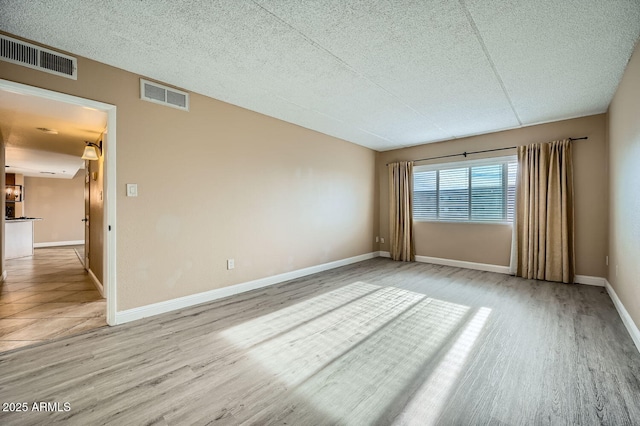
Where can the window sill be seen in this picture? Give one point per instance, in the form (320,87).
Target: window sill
(473,222)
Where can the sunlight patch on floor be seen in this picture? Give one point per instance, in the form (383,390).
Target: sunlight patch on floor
(349,361)
(264,327)
(429,401)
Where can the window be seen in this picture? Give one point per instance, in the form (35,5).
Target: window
(468,191)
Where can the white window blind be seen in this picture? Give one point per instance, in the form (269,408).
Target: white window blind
(472,191)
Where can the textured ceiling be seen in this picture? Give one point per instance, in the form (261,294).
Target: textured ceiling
(379,73)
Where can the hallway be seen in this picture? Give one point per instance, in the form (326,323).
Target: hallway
(47,296)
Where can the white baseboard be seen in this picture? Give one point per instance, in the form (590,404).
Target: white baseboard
(457,263)
(96,282)
(631,326)
(588,280)
(59,243)
(463,264)
(579,279)
(208,296)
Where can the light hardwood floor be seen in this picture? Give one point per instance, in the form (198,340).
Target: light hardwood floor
(378,342)
(45,296)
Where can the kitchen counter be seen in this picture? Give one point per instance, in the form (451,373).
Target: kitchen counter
(18,240)
(21,219)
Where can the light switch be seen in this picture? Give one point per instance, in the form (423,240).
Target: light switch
(132,190)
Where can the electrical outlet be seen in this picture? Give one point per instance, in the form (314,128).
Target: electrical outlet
(231,263)
(377,239)
(382,240)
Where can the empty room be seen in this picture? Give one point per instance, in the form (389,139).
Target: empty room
(320,212)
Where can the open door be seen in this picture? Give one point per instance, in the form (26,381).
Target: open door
(87,179)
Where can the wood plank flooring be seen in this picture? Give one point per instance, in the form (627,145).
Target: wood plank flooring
(374,343)
(45,296)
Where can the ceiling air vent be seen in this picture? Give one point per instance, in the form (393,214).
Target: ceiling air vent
(159,94)
(36,57)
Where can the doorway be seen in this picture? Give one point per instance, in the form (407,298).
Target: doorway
(107,192)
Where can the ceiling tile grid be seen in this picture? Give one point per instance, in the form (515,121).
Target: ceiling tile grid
(378,73)
(301,73)
(424,53)
(559,59)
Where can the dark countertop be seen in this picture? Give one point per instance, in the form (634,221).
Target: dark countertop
(21,219)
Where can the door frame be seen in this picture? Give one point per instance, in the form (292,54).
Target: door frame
(109,153)
(85,220)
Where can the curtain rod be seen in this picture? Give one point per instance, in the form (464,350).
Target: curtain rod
(479,152)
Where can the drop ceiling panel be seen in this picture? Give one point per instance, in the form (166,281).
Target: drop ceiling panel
(561,58)
(382,74)
(424,54)
(308,75)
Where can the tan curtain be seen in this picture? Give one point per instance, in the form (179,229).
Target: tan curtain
(544,212)
(401,211)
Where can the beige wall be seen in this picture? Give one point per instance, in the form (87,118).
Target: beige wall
(491,244)
(60,203)
(624,187)
(220,182)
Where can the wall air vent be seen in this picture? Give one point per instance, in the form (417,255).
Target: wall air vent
(36,57)
(159,94)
